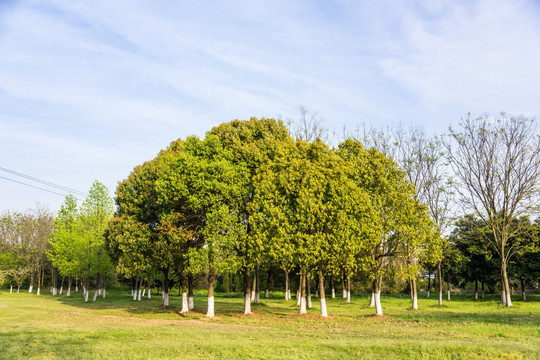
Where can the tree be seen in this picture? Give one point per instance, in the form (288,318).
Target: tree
(424,161)
(66,252)
(253,143)
(398,213)
(200,182)
(497,161)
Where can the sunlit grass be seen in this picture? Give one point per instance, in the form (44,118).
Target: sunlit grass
(47,327)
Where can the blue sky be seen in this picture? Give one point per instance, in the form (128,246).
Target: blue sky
(89,89)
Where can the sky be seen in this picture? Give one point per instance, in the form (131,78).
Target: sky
(90,89)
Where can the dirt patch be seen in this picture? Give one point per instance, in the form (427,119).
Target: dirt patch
(215,321)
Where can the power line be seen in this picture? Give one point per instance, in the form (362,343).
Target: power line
(48,183)
(32,186)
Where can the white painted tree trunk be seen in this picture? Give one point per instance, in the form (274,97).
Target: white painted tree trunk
(252,295)
(165,299)
(428,294)
(324,313)
(257,297)
(61,288)
(309,305)
(76,287)
(185,306)
(144,292)
(378,306)
(303,309)
(316,293)
(139,294)
(210,311)
(103,290)
(372,301)
(414,292)
(448,295)
(134,295)
(38,290)
(247,304)
(11,289)
(18,289)
(344,293)
(31,288)
(96,293)
(298,297)
(440,299)
(266,294)
(86,295)
(149,292)
(333,293)
(191,305)
(348,296)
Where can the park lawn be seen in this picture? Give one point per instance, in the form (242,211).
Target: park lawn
(47,327)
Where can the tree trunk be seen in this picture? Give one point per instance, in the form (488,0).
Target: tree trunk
(440,281)
(348,290)
(183,287)
(414,294)
(475,289)
(508,302)
(303,309)
(39,282)
(257,285)
(69,286)
(31,287)
(483,290)
(287,286)
(324,313)
(299,291)
(211,279)
(62,285)
(135,290)
(191,304)
(103,287)
(428,283)
(165,287)
(86,290)
(11,289)
(373,296)
(96,292)
(377,290)
(344,289)
(247,290)
(253,288)
(308,292)
(523,296)
(333,287)
(268,282)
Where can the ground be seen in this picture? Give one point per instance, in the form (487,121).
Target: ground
(47,327)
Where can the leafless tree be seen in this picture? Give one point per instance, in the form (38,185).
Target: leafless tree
(497,162)
(309,127)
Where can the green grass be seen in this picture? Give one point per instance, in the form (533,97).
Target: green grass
(46,327)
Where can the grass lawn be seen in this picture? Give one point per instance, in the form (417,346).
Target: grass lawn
(47,327)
